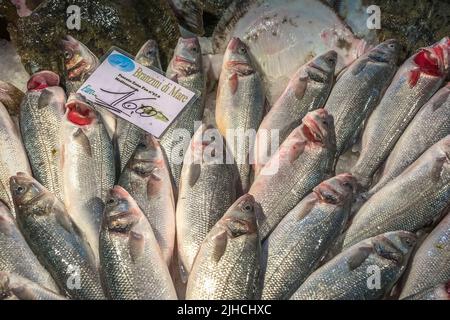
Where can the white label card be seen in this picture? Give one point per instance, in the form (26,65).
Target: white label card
(136,93)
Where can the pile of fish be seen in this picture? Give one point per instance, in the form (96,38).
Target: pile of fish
(92,207)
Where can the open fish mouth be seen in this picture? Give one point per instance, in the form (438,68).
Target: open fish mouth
(80,113)
(77,70)
(312,130)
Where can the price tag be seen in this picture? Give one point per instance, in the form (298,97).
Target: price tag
(136,93)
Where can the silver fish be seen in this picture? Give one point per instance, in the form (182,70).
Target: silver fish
(304,160)
(41,115)
(359,89)
(439,292)
(307,90)
(227,264)
(207,190)
(239,106)
(147,178)
(300,241)
(186,69)
(16,256)
(430,265)
(55,239)
(148,55)
(413,85)
(13,157)
(15,287)
(88,167)
(132,265)
(428,127)
(411,201)
(350,275)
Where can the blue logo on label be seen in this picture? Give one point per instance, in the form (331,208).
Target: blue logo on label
(121,62)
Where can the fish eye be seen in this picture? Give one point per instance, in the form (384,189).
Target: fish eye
(348,185)
(20,189)
(67,55)
(248,207)
(111,201)
(194,49)
(242,50)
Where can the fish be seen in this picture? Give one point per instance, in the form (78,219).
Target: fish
(413,85)
(41,117)
(147,179)
(428,127)
(79,64)
(189,15)
(88,167)
(228,262)
(132,265)
(359,89)
(365,271)
(275,33)
(15,287)
(307,90)
(240,106)
(416,198)
(432,259)
(207,189)
(303,160)
(13,157)
(148,55)
(16,255)
(438,292)
(11,97)
(186,69)
(55,239)
(302,239)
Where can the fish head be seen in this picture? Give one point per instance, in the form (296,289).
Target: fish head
(237,58)
(321,69)
(79,61)
(25,189)
(121,212)
(42,80)
(187,59)
(387,52)
(79,112)
(5,291)
(148,149)
(435,59)
(318,128)
(337,190)
(395,246)
(149,52)
(240,218)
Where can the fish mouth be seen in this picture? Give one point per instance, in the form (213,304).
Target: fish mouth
(80,113)
(395,246)
(240,67)
(183,60)
(185,66)
(42,79)
(336,190)
(77,69)
(312,130)
(434,60)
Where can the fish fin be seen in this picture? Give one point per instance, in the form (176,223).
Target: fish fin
(220,241)
(82,140)
(154,184)
(344,70)
(295,150)
(438,165)
(233,82)
(300,87)
(136,243)
(194,173)
(357,258)
(359,67)
(5,226)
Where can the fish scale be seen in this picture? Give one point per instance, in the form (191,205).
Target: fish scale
(431,259)
(427,184)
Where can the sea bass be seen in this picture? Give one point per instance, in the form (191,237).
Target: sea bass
(13,157)
(304,160)
(186,69)
(207,189)
(15,287)
(439,292)
(16,256)
(55,239)
(146,177)
(88,167)
(307,90)
(240,106)
(347,276)
(299,242)
(227,264)
(148,55)
(41,117)
(411,201)
(430,265)
(413,85)
(428,127)
(132,265)
(359,89)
